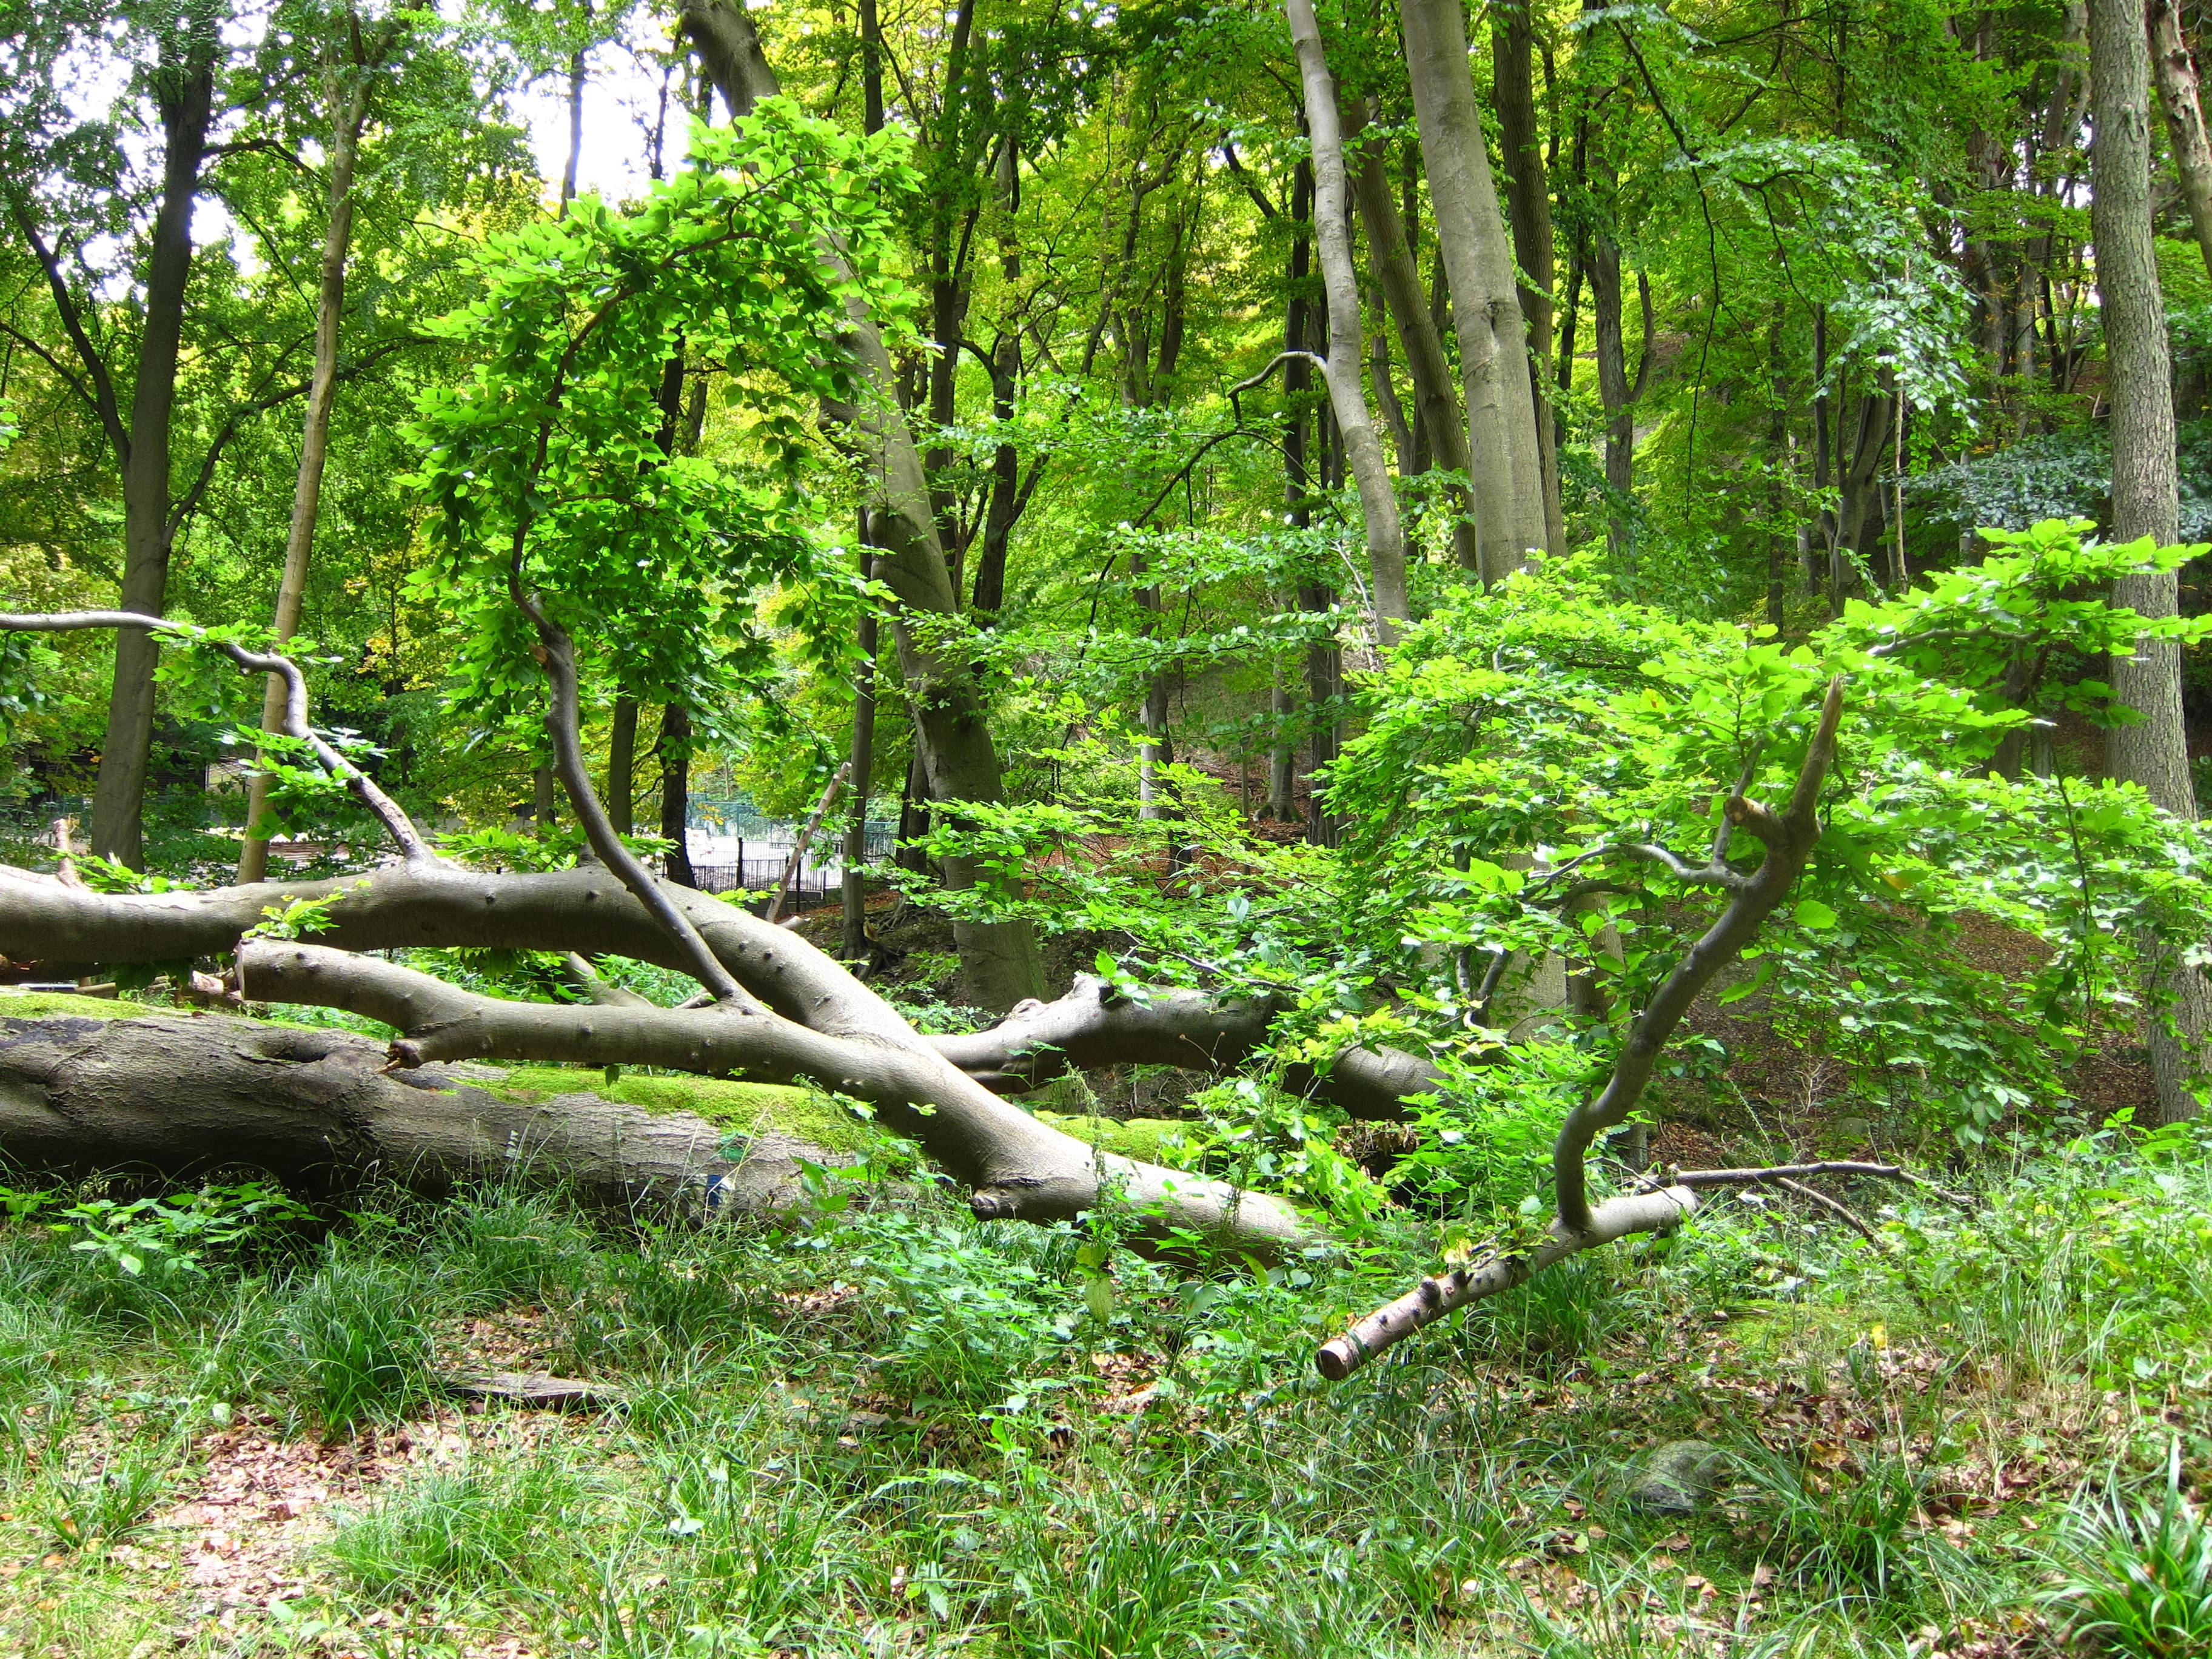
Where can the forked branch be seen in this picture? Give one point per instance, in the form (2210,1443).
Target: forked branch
(388,811)
(1787,839)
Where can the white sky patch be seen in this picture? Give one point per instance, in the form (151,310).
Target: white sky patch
(622,102)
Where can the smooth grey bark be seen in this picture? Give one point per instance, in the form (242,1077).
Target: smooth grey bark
(1528,207)
(1397,274)
(1016,1167)
(860,761)
(622,765)
(1615,395)
(1342,369)
(998,961)
(2178,92)
(346,96)
(1095,1025)
(2154,750)
(1507,472)
(189,1096)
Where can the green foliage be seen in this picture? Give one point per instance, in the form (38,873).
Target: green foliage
(172,1237)
(553,470)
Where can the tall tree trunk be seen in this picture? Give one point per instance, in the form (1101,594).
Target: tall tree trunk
(1616,396)
(622,737)
(1343,369)
(1439,427)
(673,749)
(861,751)
(1859,514)
(1282,756)
(347,96)
(1780,545)
(2152,752)
(2184,118)
(184,93)
(622,766)
(1493,343)
(999,960)
(862,756)
(1005,498)
(1528,206)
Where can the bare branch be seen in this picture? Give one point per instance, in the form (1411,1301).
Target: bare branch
(1432,1298)
(396,823)
(95,367)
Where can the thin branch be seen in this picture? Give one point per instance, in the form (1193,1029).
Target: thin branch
(557,654)
(791,865)
(65,306)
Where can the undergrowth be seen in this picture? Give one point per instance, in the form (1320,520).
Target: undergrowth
(884,1428)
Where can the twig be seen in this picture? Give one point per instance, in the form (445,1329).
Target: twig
(1834,1206)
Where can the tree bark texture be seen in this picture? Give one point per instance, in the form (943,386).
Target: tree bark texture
(1614,394)
(184,93)
(54,931)
(1508,475)
(998,961)
(2179,91)
(1528,206)
(347,96)
(2152,752)
(622,765)
(191,1095)
(861,761)
(673,747)
(1343,367)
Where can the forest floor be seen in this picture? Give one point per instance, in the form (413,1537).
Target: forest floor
(878,1428)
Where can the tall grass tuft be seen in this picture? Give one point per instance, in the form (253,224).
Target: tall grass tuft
(484,1525)
(362,1348)
(2138,1575)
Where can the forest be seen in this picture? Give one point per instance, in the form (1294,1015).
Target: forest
(1088,832)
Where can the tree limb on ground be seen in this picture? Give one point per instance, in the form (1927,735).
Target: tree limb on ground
(1787,839)
(783,1010)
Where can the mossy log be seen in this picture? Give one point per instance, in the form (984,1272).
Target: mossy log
(87,1086)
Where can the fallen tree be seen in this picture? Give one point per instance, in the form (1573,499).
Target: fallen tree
(51,930)
(187,1096)
(781,1011)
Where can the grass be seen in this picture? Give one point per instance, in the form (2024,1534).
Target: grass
(496,1521)
(896,1430)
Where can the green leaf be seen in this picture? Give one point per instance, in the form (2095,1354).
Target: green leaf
(1811,913)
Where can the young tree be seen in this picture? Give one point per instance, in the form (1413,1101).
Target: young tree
(349,58)
(128,378)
